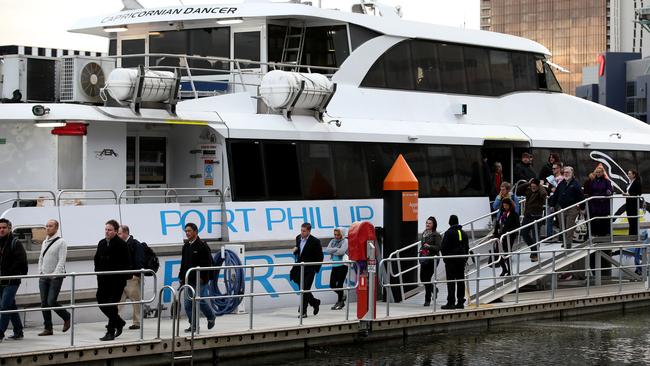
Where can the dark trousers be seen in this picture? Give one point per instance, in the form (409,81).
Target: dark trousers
(308,297)
(337,279)
(49,289)
(455,270)
(426,272)
(110,291)
(8,302)
(530,234)
(632,209)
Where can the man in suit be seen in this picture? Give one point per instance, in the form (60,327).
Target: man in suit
(632,204)
(307,249)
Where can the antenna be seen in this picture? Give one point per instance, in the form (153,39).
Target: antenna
(131,5)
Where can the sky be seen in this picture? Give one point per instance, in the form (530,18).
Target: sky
(44,23)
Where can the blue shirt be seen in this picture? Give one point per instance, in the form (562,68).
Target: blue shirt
(303,241)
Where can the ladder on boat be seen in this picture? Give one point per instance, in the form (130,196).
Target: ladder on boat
(294,41)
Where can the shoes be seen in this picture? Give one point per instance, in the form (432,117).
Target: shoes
(46,332)
(460,305)
(66,325)
(534,258)
(566,276)
(304,315)
(109,336)
(119,328)
(188,330)
(448,306)
(17,336)
(504,273)
(338,306)
(316,306)
(210,323)
(427,303)
(134,326)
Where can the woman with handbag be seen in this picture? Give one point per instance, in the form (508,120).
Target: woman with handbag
(507,222)
(431,241)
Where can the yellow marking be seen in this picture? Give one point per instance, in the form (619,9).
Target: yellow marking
(460,236)
(194,123)
(473,306)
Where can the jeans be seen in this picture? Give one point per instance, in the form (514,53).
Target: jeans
(206,309)
(8,302)
(49,289)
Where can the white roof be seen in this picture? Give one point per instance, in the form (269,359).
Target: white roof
(385,25)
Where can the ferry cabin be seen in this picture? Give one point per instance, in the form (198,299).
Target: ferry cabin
(451,101)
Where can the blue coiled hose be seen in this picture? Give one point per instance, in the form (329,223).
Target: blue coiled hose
(234,283)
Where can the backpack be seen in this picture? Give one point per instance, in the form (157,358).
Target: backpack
(150,259)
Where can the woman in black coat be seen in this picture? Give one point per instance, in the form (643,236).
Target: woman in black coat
(507,222)
(431,241)
(632,204)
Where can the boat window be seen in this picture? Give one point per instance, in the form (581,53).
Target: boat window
(477,68)
(426,66)
(247,170)
(130,160)
(398,67)
(325,46)
(379,159)
(281,170)
(360,35)
(153,160)
(501,72)
(112,47)
(247,47)
(643,168)
(173,42)
(452,68)
(317,170)
(275,43)
(523,67)
(376,77)
(193,42)
(350,171)
(132,47)
(551,81)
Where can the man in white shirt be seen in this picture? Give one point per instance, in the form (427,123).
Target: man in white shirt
(52,261)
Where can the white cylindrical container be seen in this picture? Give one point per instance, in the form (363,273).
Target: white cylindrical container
(157,84)
(279,88)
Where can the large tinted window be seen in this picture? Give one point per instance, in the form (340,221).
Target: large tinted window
(281,170)
(376,77)
(275,42)
(247,47)
(194,42)
(247,170)
(174,42)
(360,35)
(523,67)
(426,66)
(452,68)
(643,160)
(317,170)
(350,171)
(325,46)
(501,72)
(132,47)
(399,74)
(477,68)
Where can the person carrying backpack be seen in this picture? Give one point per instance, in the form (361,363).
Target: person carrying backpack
(132,289)
(13,262)
(455,242)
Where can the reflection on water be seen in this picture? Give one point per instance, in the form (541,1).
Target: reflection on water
(605,339)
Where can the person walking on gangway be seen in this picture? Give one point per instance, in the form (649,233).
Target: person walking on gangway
(112,255)
(338,249)
(54,251)
(455,242)
(632,204)
(307,249)
(13,262)
(535,202)
(132,289)
(431,240)
(196,253)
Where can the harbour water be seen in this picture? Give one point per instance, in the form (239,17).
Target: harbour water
(604,339)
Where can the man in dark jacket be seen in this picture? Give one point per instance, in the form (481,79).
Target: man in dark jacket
(568,194)
(112,255)
(523,169)
(132,289)
(13,262)
(455,242)
(196,253)
(307,249)
(535,202)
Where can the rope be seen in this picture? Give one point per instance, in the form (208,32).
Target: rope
(234,282)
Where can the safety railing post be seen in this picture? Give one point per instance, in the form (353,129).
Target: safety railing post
(620,270)
(477,264)
(252,291)
(302,292)
(589,236)
(435,286)
(517,279)
(141,304)
(72,302)
(611,221)
(195,304)
(347,291)
(553,277)
(389,292)
(588,274)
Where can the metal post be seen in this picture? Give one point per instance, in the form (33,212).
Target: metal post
(195,305)
(389,293)
(435,287)
(372,272)
(471,225)
(611,222)
(591,237)
(588,274)
(252,291)
(553,278)
(347,292)
(517,280)
(302,279)
(477,260)
(142,304)
(599,269)
(72,307)
(620,270)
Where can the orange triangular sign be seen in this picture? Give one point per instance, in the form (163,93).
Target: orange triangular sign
(400,177)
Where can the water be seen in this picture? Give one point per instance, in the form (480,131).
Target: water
(604,339)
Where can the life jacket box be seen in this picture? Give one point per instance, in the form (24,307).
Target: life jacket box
(279,88)
(156,87)
(358,236)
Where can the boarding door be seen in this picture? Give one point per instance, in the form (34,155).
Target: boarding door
(247,45)
(508,154)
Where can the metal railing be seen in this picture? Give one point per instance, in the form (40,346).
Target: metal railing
(73,305)
(169,195)
(23,195)
(514,277)
(251,295)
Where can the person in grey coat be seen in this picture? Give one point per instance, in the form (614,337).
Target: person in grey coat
(337,249)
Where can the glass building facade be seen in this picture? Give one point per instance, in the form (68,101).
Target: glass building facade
(575,31)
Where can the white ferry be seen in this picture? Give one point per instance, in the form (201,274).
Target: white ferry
(249,119)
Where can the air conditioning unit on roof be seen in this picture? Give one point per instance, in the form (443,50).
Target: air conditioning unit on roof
(82,77)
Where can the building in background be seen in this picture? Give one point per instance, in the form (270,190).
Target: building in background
(575,31)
